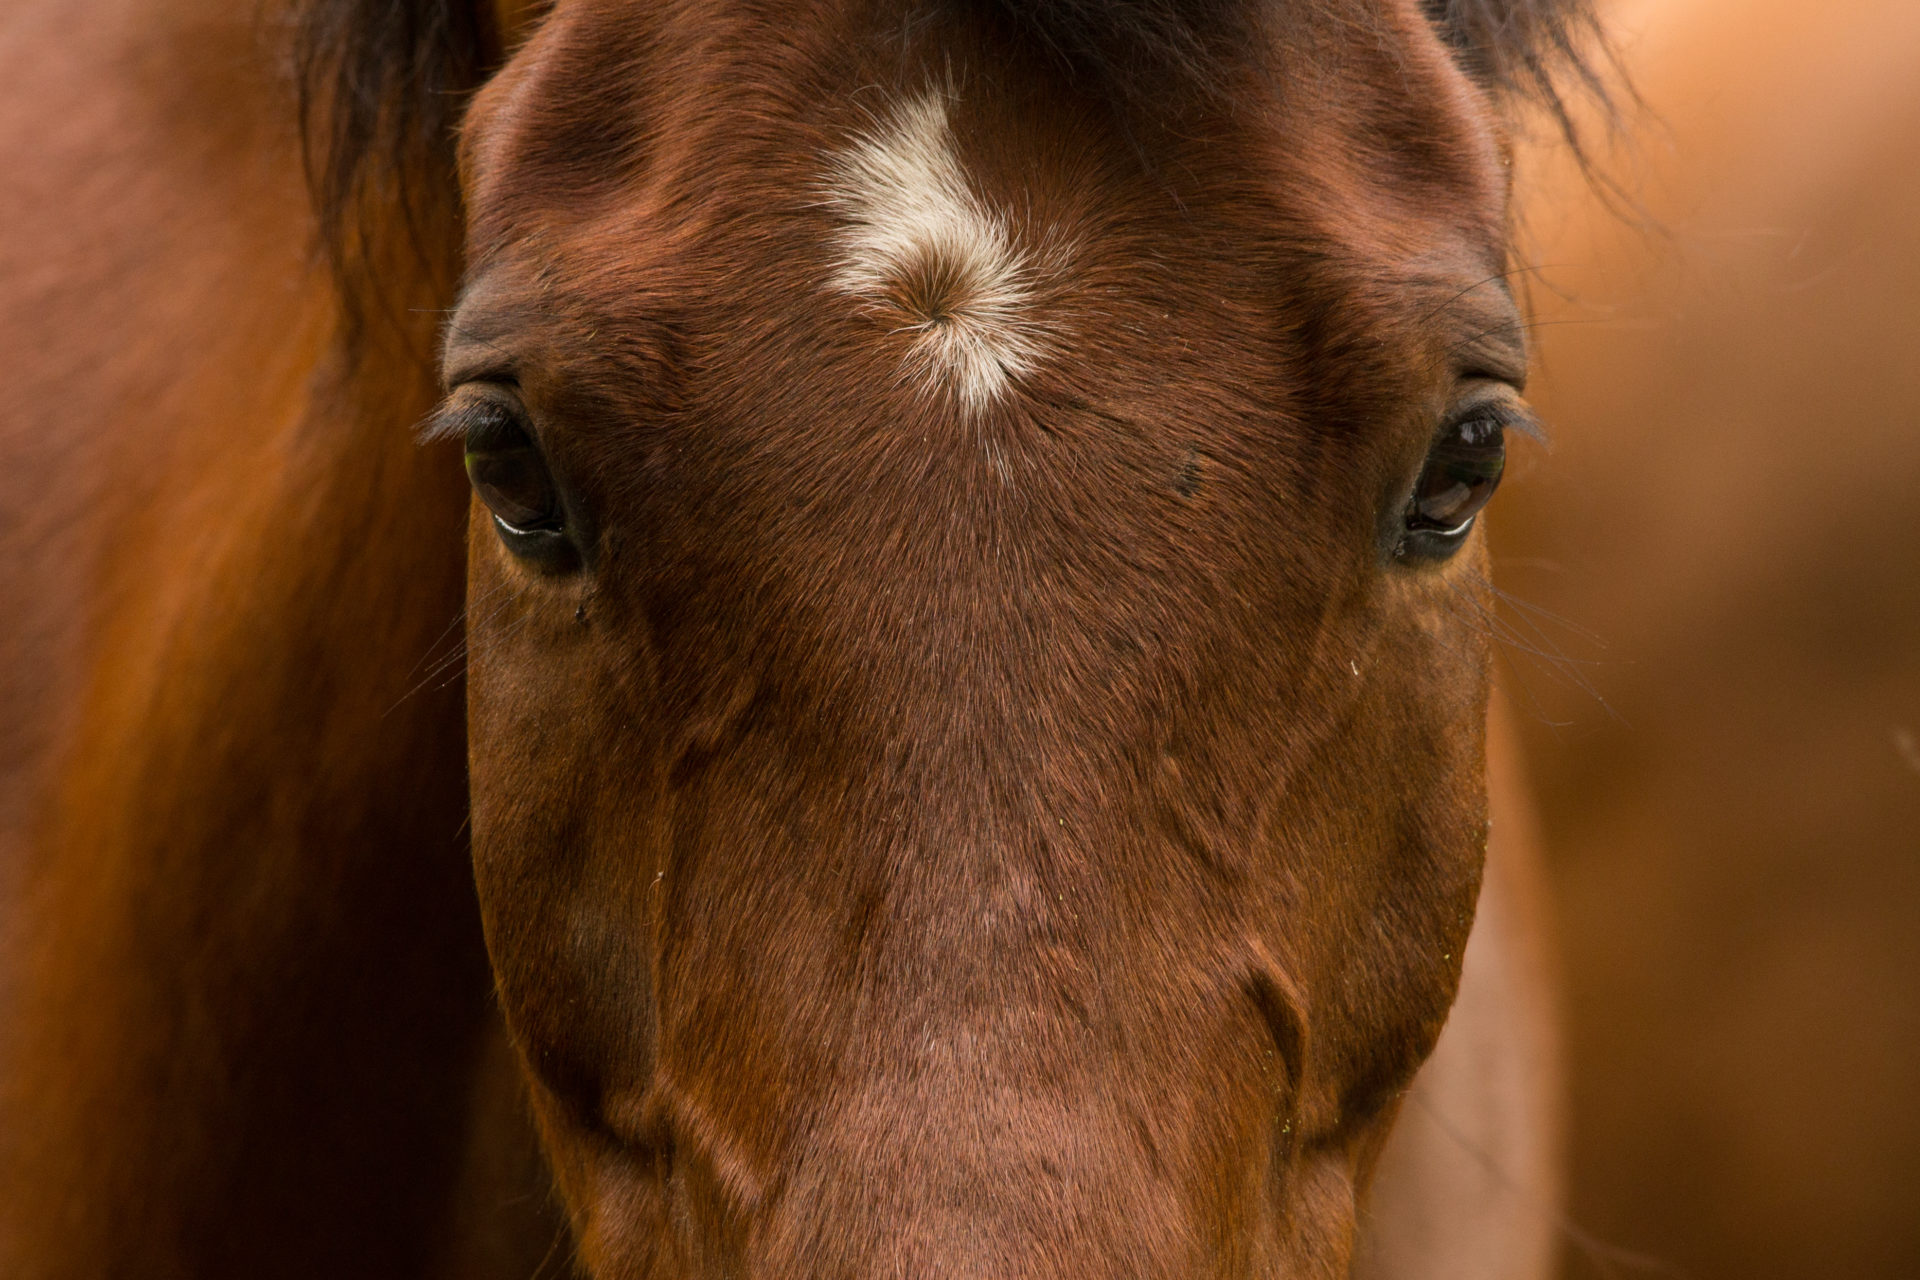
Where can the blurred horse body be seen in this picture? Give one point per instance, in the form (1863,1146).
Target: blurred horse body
(249,1023)
(1736,449)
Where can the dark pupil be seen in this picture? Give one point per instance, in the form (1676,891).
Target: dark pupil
(1460,475)
(511,477)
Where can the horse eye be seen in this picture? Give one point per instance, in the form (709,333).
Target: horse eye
(510,476)
(1462,470)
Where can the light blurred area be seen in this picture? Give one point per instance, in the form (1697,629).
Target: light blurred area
(1714,641)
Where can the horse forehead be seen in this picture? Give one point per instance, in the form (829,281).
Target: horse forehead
(979,215)
(1295,108)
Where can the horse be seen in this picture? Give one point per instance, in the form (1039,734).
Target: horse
(962,743)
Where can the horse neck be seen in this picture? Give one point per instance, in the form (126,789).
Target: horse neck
(242,980)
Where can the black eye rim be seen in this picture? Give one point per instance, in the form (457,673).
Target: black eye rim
(491,415)
(1421,542)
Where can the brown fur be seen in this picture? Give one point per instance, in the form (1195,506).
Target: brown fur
(1034,843)
(241,981)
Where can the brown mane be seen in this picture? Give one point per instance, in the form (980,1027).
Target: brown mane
(1525,48)
(381,87)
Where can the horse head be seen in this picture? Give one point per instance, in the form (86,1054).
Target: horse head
(976,686)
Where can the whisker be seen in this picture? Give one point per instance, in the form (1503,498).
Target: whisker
(459,618)
(1607,1258)
(1511,273)
(456,657)
(1524,633)
(1547,615)
(561,1237)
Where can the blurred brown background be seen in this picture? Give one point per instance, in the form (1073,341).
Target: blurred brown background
(1722,543)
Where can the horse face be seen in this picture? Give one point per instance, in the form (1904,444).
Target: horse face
(975,695)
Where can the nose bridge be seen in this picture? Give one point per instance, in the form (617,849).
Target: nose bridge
(981,1178)
(1008,1032)
(1024,1135)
